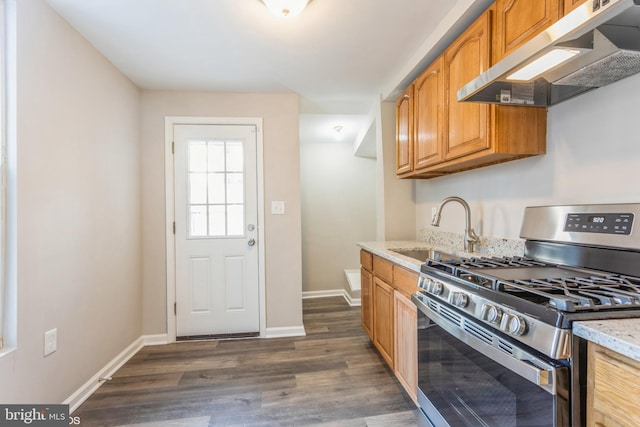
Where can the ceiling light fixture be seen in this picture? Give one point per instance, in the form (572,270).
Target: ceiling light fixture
(286,8)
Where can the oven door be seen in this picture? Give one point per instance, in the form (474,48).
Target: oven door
(468,375)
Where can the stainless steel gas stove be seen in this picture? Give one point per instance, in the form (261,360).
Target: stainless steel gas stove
(495,340)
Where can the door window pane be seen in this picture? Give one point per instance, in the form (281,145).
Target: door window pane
(197,156)
(217,217)
(216,188)
(235,156)
(198,221)
(235,188)
(216,157)
(198,188)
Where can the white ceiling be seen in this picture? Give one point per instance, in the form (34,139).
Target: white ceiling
(338,55)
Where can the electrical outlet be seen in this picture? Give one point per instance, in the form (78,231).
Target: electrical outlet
(50,341)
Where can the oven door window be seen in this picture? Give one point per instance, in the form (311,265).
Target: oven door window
(467,388)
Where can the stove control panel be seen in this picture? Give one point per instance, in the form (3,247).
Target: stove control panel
(605,223)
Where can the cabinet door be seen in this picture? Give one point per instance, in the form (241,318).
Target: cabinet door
(383,333)
(406,345)
(520,20)
(466,123)
(569,5)
(611,381)
(427,112)
(404,132)
(366,301)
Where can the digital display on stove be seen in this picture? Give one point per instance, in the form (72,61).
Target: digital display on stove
(608,223)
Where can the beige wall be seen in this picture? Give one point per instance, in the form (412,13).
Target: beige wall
(281,182)
(338,210)
(593,153)
(79,236)
(395,197)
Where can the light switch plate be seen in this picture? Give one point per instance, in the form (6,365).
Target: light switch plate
(50,341)
(277,208)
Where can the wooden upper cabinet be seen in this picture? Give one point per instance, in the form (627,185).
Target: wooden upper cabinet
(450,136)
(569,5)
(518,21)
(466,123)
(428,106)
(404,132)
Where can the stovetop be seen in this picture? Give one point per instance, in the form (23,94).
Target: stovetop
(581,262)
(553,286)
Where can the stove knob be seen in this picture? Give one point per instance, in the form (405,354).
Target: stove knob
(423,283)
(492,313)
(459,299)
(516,325)
(436,288)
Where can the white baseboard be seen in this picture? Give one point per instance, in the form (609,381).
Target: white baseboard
(287,331)
(88,388)
(158,339)
(323,294)
(353,302)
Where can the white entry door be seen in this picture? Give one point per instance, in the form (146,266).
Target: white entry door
(217,286)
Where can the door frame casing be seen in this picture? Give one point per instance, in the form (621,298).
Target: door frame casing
(169,122)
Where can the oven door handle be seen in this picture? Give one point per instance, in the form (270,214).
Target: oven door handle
(543,377)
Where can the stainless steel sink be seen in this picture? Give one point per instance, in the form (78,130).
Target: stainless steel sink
(423,254)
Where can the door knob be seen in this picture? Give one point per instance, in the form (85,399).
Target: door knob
(251,242)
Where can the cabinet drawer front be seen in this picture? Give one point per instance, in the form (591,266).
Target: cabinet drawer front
(366,260)
(383,269)
(405,281)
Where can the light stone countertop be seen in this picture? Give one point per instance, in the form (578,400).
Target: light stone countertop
(619,335)
(385,250)
(449,243)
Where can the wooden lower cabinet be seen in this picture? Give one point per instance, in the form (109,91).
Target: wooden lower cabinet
(406,345)
(613,386)
(366,301)
(389,316)
(383,330)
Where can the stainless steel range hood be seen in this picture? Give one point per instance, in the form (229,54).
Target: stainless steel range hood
(601,36)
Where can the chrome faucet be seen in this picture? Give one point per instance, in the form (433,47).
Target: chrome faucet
(470,237)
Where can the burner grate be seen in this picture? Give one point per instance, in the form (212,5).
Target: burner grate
(580,293)
(559,287)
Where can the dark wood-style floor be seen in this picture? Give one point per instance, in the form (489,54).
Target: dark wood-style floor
(331,377)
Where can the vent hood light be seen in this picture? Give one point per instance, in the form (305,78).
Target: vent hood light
(546,62)
(596,44)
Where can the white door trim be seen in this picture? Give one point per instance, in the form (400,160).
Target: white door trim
(169,122)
